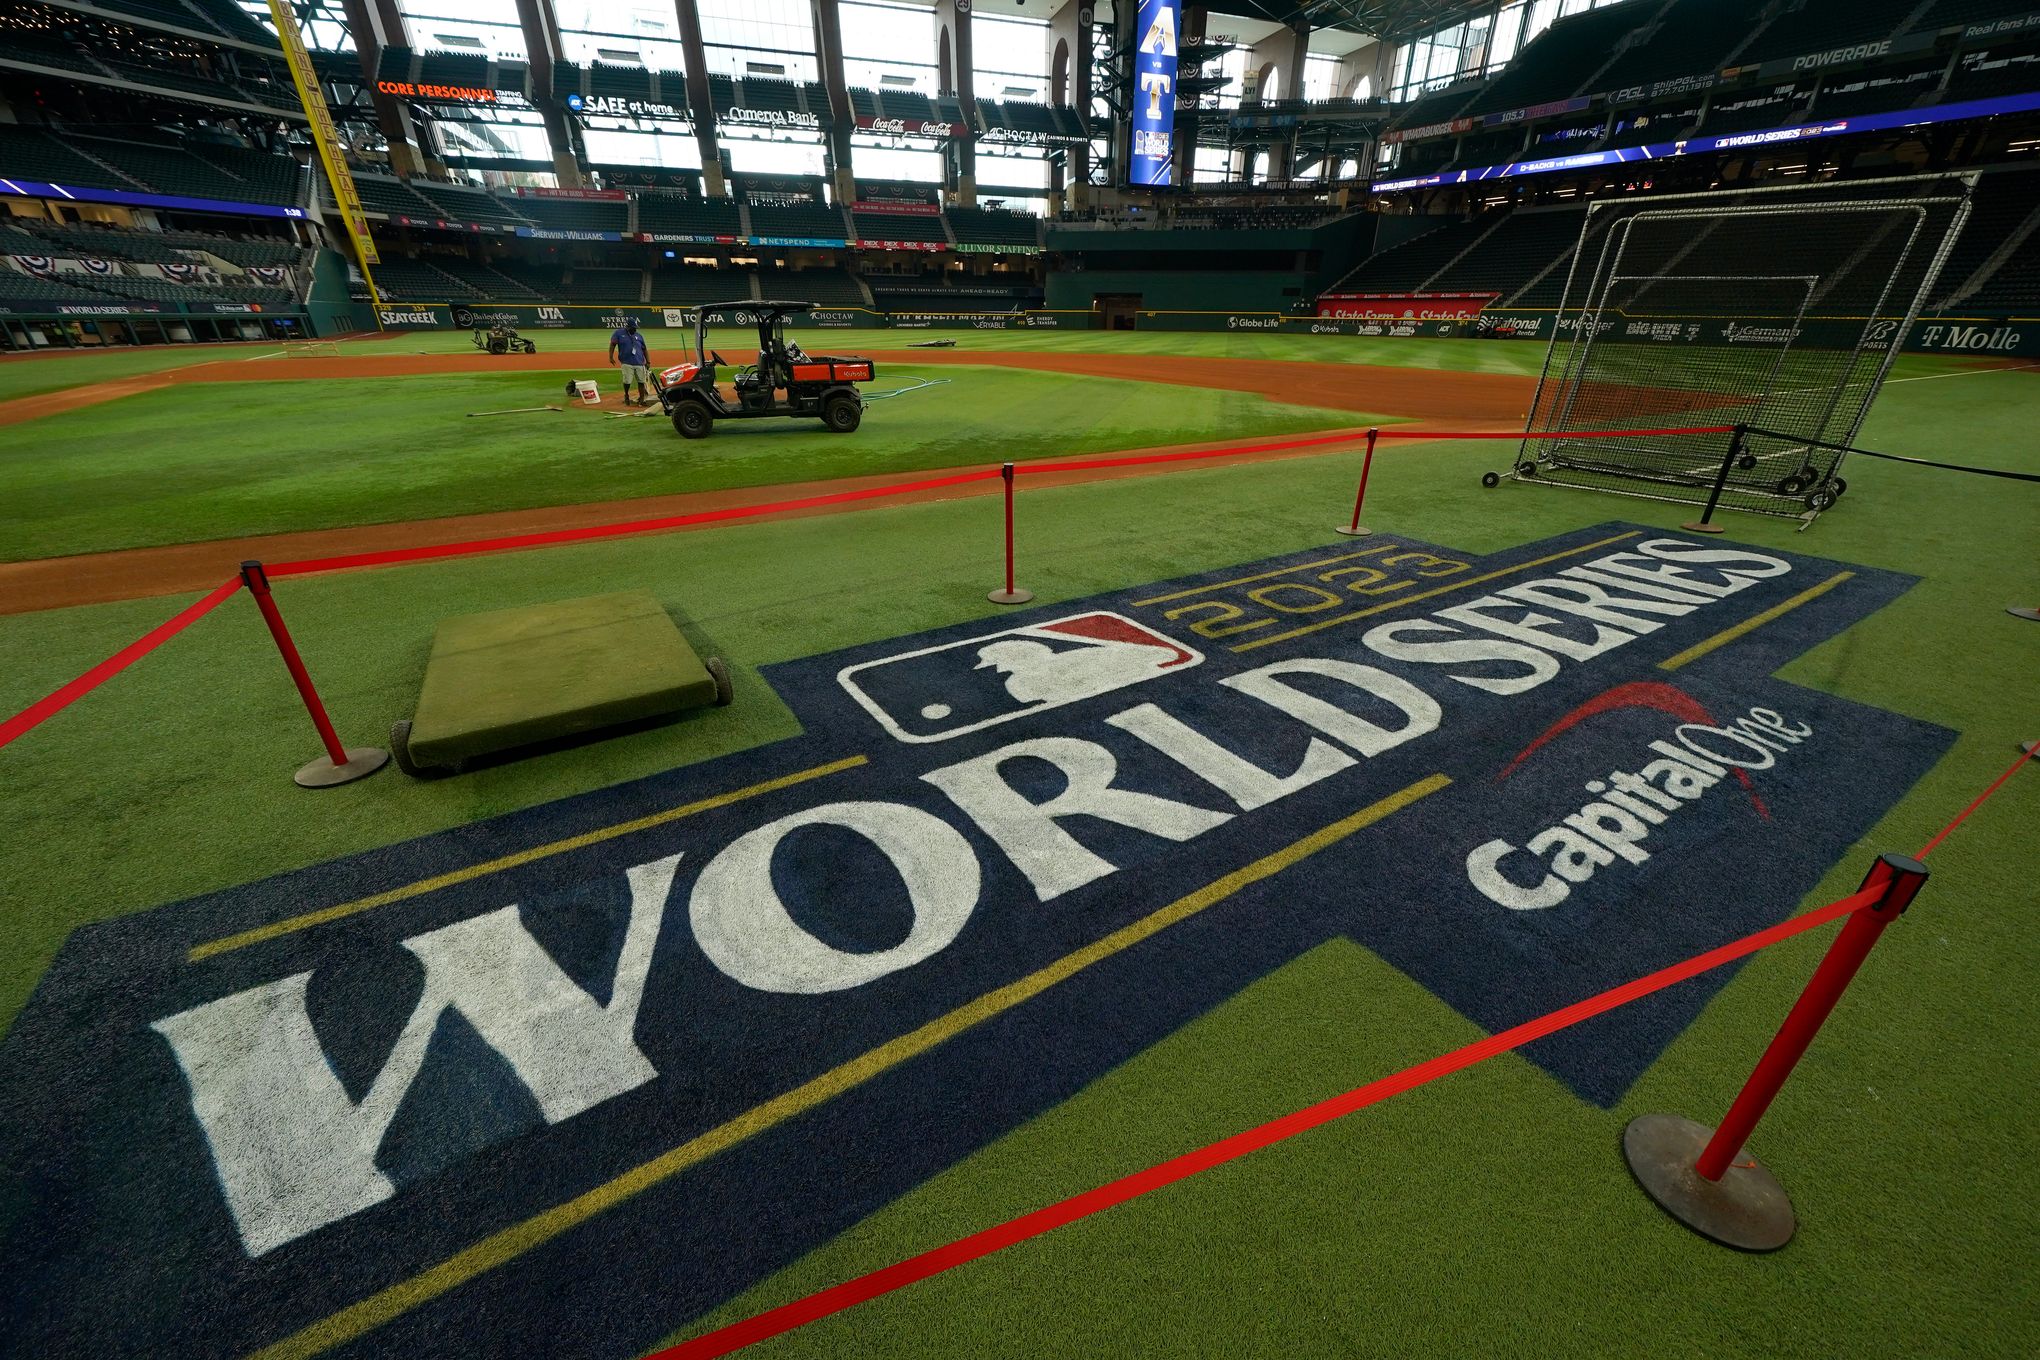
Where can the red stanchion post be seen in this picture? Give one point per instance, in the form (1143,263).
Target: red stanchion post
(1706,1178)
(340,764)
(1354,530)
(1012,594)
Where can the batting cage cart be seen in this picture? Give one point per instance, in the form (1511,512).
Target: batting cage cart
(1774,311)
(785,380)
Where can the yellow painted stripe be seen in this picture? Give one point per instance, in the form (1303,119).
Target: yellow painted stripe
(1752,623)
(499,1248)
(1262,576)
(1430,594)
(292,924)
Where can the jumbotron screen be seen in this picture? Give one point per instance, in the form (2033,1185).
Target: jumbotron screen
(1154,94)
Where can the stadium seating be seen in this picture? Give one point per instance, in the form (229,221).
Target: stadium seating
(2001,204)
(827,287)
(976,226)
(418,281)
(160,166)
(49,52)
(1692,37)
(31,153)
(1558,62)
(163,12)
(16,286)
(241,252)
(677,285)
(489,283)
(1784,107)
(806,219)
(679,216)
(259,176)
(1404,267)
(391,197)
(16,240)
(899,227)
(587,284)
(458,203)
(1825,24)
(1843,99)
(1985,75)
(1506,259)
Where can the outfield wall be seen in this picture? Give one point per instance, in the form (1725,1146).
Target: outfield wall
(1953,335)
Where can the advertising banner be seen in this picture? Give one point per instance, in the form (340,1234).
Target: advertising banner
(1404,306)
(87,193)
(897,207)
(602,195)
(912,127)
(1444,129)
(1154,94)
(902,245)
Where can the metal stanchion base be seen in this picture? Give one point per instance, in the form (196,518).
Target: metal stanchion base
(1010,596)
(2019,611)
(2032,748)
(1700,527)
(1352,530)
(362,761)
(1746,1209)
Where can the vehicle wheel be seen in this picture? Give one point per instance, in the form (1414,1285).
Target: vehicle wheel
(1490,479)
(693,420)
(400,747)
(1526,469)
(1820,500)
(842,413)
(720,672)
(1838,486)
(1790,485)
(1746,462)
(499,346)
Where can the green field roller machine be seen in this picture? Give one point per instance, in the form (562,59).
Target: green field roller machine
(513,679)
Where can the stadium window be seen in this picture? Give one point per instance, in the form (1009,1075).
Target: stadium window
(1003,47)
(465,26)
(1321,77)
(878,37)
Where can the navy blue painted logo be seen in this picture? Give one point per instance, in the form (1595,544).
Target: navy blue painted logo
(633,1051)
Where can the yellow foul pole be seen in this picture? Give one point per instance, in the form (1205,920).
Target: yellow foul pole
(327,139)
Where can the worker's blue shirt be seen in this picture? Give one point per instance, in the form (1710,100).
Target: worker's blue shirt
(630,346)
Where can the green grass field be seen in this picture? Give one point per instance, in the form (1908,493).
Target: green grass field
(1489,1212)
(210,460)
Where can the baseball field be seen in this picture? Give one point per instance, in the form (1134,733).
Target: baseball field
(602,1047)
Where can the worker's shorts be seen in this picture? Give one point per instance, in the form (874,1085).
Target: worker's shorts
(638,374)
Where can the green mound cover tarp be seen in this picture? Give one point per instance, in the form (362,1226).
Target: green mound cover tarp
(512,677)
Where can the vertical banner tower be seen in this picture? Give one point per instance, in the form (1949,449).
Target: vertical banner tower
(327,140)
(1149,160)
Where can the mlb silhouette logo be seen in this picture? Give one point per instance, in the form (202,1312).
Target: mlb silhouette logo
(941,692)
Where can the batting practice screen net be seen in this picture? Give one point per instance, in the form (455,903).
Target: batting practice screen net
(1779,309)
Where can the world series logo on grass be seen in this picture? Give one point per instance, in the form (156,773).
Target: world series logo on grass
(694,1026)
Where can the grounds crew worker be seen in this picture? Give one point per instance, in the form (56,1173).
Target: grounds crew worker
(627,351)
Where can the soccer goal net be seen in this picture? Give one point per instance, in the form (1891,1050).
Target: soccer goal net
(1776,309)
